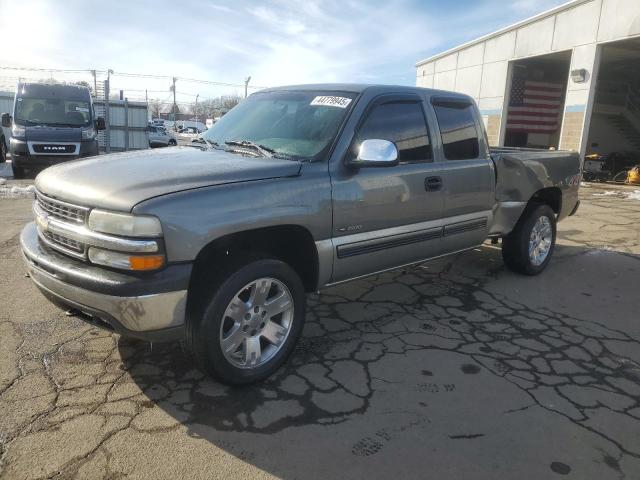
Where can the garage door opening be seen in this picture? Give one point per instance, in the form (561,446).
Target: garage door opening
(613,144)
(536,101)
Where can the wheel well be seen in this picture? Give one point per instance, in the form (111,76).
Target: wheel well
(551,196)
(290,243)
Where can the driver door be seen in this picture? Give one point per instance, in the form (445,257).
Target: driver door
(384,217)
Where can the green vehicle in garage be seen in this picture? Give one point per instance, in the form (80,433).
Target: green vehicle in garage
(296,189)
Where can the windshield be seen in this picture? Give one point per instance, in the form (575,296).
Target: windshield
(298,124)
(52,111)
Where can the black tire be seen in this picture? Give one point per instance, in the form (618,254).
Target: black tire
(18,172)
(515,246)
(202,335)
(3,150)
(172,143)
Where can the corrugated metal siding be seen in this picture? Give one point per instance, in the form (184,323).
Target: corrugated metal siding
(135,123)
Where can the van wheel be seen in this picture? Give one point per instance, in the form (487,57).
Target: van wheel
(249,321)
(528,248)
(3,151)
(18,172)
(172,143)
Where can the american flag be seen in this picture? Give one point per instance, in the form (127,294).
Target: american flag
(534,106)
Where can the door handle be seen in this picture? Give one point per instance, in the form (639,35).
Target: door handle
(433,184)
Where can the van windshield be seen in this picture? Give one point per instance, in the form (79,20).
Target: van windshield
(298,124)
(52,111)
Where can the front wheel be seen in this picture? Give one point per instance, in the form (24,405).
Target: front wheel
(528,248)
(250,322)
(3,151)
(18,172)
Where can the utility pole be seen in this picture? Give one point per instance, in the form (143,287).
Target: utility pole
(197,95)
(175,106)
(246,85)
(95,83)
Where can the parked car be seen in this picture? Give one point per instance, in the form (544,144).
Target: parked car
(51,123)
(159,137)
(188,132)
(294,190)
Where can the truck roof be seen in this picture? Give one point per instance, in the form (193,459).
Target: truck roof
(53,90)
(361,87)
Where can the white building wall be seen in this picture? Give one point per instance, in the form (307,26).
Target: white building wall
(536,38)
(481,68)
(619,19)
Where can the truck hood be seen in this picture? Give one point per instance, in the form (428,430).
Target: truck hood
(119,181)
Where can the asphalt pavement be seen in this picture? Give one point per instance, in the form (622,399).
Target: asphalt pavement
(453,369)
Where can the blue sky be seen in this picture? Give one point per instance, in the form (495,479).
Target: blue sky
(275,41)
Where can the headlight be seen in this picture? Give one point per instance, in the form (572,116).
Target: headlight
(88,133)
(17,131)
(125,261)
(124,224)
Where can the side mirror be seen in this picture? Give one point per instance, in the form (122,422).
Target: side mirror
(6,120)
(100,125)
(376,153)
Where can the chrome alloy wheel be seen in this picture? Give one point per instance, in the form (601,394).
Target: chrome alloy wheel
(256,323)
(540,241)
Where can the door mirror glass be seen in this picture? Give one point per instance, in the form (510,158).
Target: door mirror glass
(376,153)
(6,120)
(100,125)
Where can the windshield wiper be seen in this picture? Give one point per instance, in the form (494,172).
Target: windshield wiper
(208,143)
(261,149)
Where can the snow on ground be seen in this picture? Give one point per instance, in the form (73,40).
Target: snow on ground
(16,191)
(634,195)
(6,170)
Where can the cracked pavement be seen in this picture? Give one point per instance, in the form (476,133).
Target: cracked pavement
(453,369)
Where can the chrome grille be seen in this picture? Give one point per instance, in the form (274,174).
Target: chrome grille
(65,242)
(62,210)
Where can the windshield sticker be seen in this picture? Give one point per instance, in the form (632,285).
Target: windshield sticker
(328,101)
(81,109)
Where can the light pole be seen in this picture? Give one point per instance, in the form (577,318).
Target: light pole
(246,85)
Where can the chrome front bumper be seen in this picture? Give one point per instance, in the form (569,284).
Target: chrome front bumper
(151,316)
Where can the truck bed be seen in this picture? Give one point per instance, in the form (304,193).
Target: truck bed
(523,173)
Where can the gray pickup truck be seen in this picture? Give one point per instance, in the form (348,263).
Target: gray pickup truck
(295,189)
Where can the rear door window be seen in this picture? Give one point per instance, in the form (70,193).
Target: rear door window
(458,130)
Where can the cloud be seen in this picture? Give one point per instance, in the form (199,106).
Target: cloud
(275,41)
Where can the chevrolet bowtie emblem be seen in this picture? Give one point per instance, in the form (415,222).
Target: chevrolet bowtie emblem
(43,221)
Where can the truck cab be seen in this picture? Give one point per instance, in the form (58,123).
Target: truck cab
(50,124)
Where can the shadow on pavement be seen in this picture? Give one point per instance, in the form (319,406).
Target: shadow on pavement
(456,367)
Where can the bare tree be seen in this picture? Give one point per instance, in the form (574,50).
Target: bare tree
(216,107)
(155,106)
(84,83)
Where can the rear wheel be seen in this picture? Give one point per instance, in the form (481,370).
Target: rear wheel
(528,248)
(172,143)
(249,323)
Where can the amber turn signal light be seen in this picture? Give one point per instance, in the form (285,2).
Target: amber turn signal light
(146,262)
